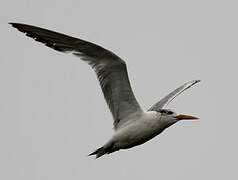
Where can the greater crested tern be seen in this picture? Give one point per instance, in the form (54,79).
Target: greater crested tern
(132,125)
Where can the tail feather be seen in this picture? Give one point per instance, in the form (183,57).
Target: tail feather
(99,152)
(107,149)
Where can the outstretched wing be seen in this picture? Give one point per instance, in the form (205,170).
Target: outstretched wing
(167,99)
(110,69)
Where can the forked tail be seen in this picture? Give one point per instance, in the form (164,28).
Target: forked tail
(99,152)
(103,150)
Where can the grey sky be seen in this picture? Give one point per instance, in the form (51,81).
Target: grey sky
(52,109)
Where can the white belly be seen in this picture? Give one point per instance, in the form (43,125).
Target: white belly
(139,131)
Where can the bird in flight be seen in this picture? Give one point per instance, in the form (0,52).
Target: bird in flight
(133,126)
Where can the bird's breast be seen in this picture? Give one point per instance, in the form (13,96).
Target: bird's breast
(138,132)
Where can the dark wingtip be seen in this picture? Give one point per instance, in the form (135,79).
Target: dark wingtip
(15,25)
(12,24)
(196,81)
(18,25)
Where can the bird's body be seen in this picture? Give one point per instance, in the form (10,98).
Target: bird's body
(138,130)
(133,126)
(143,128)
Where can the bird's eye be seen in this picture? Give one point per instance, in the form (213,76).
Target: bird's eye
(162,111)
(170,112)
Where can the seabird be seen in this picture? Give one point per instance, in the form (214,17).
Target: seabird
(133,126)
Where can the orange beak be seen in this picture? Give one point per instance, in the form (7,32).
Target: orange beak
(182,116)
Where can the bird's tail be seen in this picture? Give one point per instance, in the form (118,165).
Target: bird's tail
(107,149)
(99,152)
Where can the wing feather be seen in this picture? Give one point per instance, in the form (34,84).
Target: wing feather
(110,69)
(167,99)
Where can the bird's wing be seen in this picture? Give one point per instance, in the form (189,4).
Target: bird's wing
(110,69)
(167,99)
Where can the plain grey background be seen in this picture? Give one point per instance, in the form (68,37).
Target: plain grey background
(52,109)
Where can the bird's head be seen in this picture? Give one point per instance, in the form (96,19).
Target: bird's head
(171,117)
